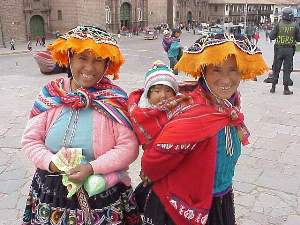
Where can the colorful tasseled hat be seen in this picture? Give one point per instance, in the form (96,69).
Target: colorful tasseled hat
(84,37)
(215,50)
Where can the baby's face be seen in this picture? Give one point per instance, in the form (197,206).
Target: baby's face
(159,93)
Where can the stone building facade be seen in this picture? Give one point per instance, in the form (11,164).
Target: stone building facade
(162,12)
(126,14)
(24,19)
(191,11)
(12,21)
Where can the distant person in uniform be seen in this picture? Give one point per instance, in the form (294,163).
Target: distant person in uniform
(286,33)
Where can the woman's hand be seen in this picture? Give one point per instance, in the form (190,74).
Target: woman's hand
(80,173)
(53,168)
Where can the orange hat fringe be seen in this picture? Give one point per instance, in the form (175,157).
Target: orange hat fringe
(59,50)
(249,65)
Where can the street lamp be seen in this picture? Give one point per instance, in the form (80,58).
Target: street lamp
(246,11)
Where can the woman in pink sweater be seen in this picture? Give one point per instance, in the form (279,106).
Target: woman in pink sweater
(80,139)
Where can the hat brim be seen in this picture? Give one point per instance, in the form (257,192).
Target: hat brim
(249,65)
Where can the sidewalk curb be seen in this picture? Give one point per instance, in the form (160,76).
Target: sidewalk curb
(14,52)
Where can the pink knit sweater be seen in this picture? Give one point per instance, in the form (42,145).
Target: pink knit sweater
(115,146)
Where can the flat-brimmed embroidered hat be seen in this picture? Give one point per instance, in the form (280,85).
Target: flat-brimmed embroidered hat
(215,50)
(85,37)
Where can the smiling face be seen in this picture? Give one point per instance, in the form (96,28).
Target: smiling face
(223,80)
(86,69)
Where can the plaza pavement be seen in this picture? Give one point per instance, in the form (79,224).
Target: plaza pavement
(267,180)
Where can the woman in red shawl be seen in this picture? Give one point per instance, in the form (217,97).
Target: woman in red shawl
(191,162)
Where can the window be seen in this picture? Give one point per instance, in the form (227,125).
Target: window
(107,15)
(216,8)
(226,7)
(59,14)
(177,14)
(140,14)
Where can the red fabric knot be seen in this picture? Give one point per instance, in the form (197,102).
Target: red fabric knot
(236,117)
(79,99)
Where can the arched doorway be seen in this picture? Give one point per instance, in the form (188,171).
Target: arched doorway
(37,26)
(189,17)
(125,15)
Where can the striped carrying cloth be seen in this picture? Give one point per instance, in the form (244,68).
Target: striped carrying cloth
(46,64)
(105,98)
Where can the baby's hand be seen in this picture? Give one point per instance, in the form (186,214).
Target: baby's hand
(146,180)
(177,100)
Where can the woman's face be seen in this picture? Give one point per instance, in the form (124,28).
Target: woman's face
(223,80)
(86,69)
(159,93)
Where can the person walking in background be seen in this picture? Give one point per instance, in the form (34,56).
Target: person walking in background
(43,41)
(29,45)
(12,44)
(175,50)
(37,40)
(256,36)
(167,40)
(286,34)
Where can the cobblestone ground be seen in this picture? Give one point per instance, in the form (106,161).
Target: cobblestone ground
(267,181)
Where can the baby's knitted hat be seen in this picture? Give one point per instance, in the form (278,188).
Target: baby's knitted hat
(159,73)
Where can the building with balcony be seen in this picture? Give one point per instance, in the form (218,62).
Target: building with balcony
(280,4)
(234,11)
(222,11)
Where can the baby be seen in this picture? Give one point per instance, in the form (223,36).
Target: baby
(155,105)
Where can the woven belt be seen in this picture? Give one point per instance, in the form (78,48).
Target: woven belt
(84,205)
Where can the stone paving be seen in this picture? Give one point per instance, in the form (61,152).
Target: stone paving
(267,181)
